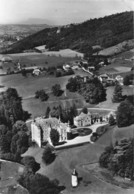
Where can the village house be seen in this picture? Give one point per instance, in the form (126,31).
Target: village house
(41,127)
(36,72)
(119,78)
(82,120)
(66,67)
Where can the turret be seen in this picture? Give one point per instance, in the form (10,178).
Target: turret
(74,178)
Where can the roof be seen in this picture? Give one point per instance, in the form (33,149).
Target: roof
(82,116)
(5,58)
(48,123)
(103,75)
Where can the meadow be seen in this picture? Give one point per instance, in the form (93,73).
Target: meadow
(121,64)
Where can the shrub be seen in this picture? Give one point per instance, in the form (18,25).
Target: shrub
(111,120)
(42,95)
(47,156)
(54,135)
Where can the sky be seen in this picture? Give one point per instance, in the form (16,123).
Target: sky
(60,12)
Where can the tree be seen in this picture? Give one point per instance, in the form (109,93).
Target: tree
(105,157)
(47,112)
(47,154)
(73,84)
(54,135)
(19,126)
(85,110)
(125,114)
(30,164)
(24,72)
(11,108)
(42,95)
(117,96)
(128,79)
(56,89)
(39,184)
(111,120)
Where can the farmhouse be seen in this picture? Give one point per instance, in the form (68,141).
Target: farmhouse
(5,58)
(119,78)
(36,72)
(41,127)
(103,77)
(82,120)
(66,67)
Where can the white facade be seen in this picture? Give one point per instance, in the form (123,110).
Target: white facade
(46,125)
(82,120)
(36,134)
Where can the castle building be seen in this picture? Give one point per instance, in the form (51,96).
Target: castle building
(41,127)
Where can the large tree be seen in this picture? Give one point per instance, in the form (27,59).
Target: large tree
(119,158)
(11,107)
(125,114)
(117,95)
(56,89)
(54,135)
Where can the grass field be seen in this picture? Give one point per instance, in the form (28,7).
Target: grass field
(120,64)
(77,157)
(8,174)
(35,59)
(108,103)
(123,132)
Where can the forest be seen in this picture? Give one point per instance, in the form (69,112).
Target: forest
(106,32)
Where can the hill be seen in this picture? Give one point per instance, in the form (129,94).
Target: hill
(21,29)
(106,32)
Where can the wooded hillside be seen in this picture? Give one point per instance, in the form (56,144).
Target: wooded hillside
(106,32)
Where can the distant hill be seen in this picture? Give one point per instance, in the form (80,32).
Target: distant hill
(106,32)
(21,29)
(37,21)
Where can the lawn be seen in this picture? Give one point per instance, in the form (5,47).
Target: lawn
(120,64)
(127,90)
(123,132)
(8,174)
(41,59)
(77,157)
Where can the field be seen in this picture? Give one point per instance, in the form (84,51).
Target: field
(123,132)
(120,64)
(8,174)
(116,49)
(35,59)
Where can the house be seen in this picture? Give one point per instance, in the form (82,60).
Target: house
(66,67)
(36,72)
(5,58)
(119,78)
(41,127)
(75,67)
(82,120)
(91,68)
(103,77)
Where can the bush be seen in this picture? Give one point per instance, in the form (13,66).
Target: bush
(125,114)
(111,120)
(30,163)
(56,89)
(54,135)
(42,95)
(47,156)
